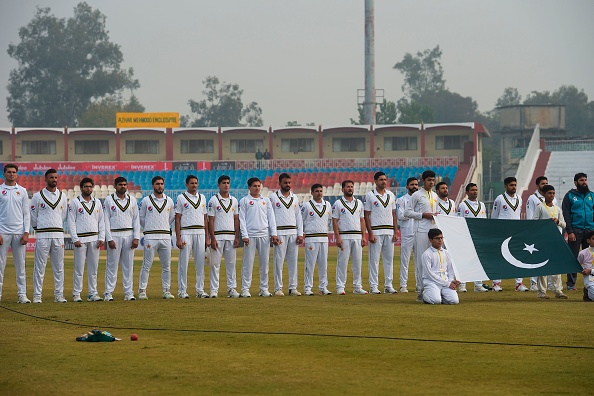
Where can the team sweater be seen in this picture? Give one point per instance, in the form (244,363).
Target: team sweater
(256,217)
(85,220)
(223,210)
(316,219)
(15,218)
(287,214)
(349,215)
(48,212)
(404,223)
(506,207)
(156,216)
(446,207)
(381,211)
(192,209)
(121,217)
(472,209)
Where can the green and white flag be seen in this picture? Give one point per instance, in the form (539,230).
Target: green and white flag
(504,249)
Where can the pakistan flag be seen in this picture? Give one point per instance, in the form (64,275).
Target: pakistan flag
(504,249)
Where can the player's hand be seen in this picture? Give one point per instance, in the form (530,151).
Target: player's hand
(339,242)
(24,239)
(275,240)
(246,241)
(1,240)
(100,244)
(111,244)
(587,271)
(134,244)
(77,244)
(214,245)
(364,242)
(299,240)
(236,243)
(179,243)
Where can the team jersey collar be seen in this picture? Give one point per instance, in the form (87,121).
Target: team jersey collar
(281,198)
(84,204)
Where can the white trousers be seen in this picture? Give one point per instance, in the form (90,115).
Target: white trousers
(226,250)
(54,248)
(124,255)
(197,244)
(88,252)
(406,248)
(262,245)
(589,286)
(287,249)
(534,280)
(384,246)
(163,248)
(18,256)
(436,294)
(349,247)
(316,252)
(421,244)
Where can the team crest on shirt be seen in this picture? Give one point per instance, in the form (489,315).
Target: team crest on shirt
(219,208)
(310,247)
(150,208)
(18,193)
(251,203)
(311,214)
(278,204)
(504,207)
(376,204)
(343,210)
(80,210)
(466,211)
(4,192)
(113,208)
(42,206)
(32,207)
(263,203)
(186,206)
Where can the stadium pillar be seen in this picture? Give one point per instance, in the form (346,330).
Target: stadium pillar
(65,144)
(118,155)
(220,139)
(320,142)
(422,139)
(270,142)
(371,142)
(13,141)
(169,144)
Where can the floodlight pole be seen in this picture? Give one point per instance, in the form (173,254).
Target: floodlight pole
(369,104)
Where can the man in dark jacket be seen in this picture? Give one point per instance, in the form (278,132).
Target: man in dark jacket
(578,210)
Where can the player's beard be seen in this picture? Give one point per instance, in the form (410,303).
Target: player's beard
(583,188)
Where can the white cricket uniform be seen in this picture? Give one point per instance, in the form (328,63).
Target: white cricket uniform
(438,274)
(48,212)
(382,216)
(531,204)
(543,211)
(316,220)
(473,209)
(192,209)
(258,224)
(420,202)
(122,226)
(289,226)
(224,211)
(507,208)
(349,215)
(15,220)
(86,225)
(586,259)
(156,216)
(407,238)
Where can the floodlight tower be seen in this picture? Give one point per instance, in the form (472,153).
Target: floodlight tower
(370,99)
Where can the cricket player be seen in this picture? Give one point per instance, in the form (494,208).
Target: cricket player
(122,233)
(258,228)
(407,234)
(380,221)
(191,229)
(156,215)
(348,223)
(87,230)
(49,209)
(439,285)
(316,220)
(223,225)
(15,220)
(289,227)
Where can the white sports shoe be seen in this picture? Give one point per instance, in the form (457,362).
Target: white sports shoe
(497,287)
(107,297)
(340,292)
(168,296)
(264,293)
(480,289)
(214,294)
(93,298)
(325,292)
(232,293)
(521,288)
(129,297)
(202,295)
(403,289)
(279,293)
(308,292)
(245,294)
(36,299)
(24,300)
(360,291)
(183,295)
(374,290)
(142,295)
(76,298)
(60,299)
(390,290)
(462,288)
(533,287)
(294,292)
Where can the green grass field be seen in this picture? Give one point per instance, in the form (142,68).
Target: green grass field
(492,343)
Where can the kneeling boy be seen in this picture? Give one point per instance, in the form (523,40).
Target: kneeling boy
(439,285)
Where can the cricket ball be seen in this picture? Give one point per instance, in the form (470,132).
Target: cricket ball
(134,337)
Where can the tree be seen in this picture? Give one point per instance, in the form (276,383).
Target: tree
(385,115)
(510,97)
(414,112)
(63,65)
(102,114)
(423,73)
(222,107)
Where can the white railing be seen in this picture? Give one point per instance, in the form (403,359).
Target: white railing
(469,176)
(528,163)
(569,145)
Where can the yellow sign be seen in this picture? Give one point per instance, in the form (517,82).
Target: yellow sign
(142,120)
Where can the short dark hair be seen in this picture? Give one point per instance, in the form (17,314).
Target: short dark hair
(378,174)
(547,188)
(589,234)
(434,232)
(411,179)
(510,179)
(540,178)
(283,176)
(119,179)
(154,179)
(344,183)
(190,177)
(86,180)
(13,166)
(50,171)
(469,186)
(427,174)
(317,185)
(252,180)
(579,175)
(440,184)
(222,178)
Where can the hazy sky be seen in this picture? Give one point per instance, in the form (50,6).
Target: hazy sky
(303,60)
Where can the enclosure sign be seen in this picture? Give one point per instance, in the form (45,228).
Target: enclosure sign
(143,120)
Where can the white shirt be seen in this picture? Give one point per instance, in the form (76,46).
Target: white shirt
(316,219)
(15,218)
(533,201)
(437,266)
(381,211)
(349,215)
(156,216)
(287,214)
(48,212)
(224,211)
(121,217)
(85,220)
(446,208)
(422,201)
(256,217)
(405,224)
(544,211)
(472,209)
(506,207)
(193,212)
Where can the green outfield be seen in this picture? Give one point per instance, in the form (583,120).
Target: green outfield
(492,343)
